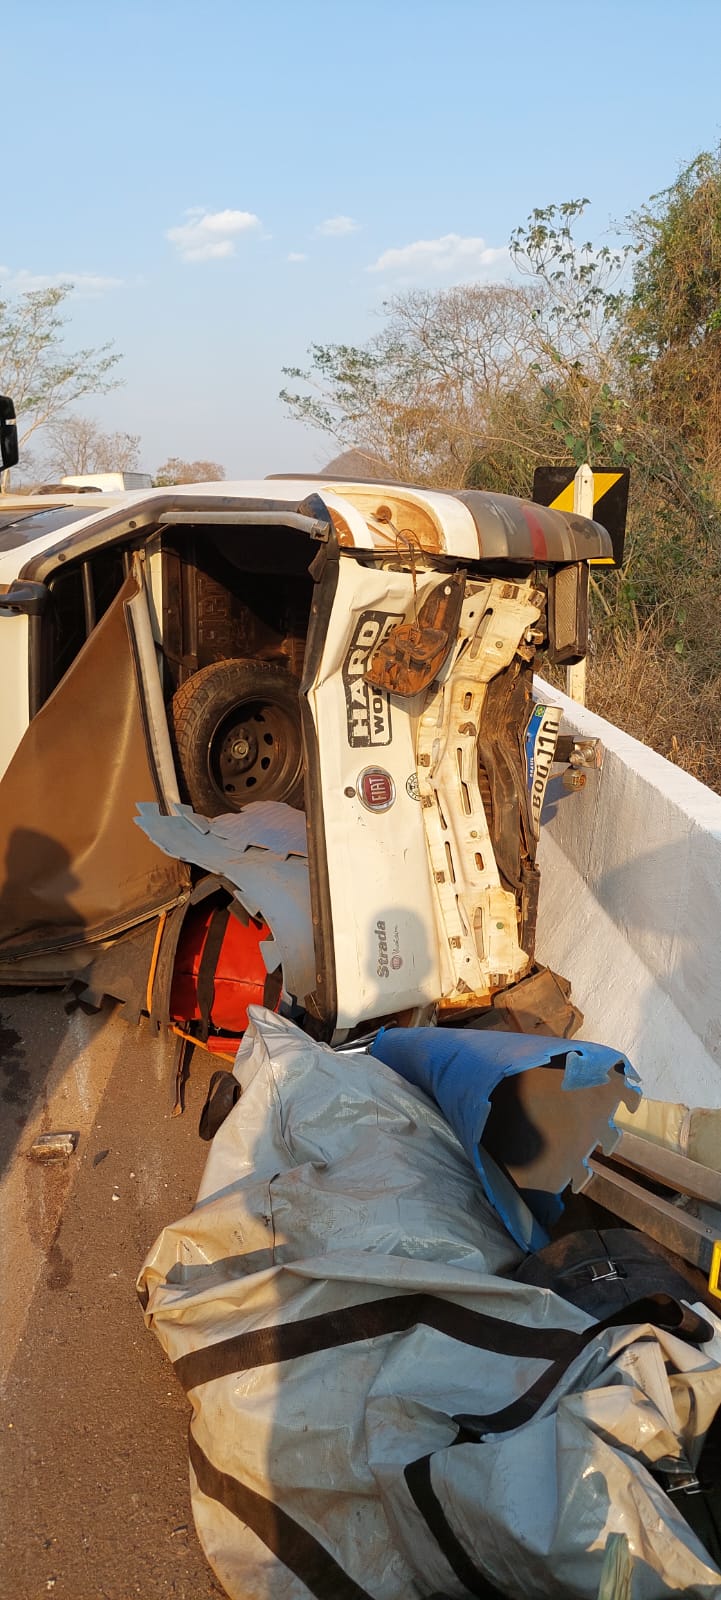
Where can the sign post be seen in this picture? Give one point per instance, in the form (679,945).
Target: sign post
(583,493)
(602,495)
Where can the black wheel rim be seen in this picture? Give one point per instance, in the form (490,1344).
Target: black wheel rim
(255,754)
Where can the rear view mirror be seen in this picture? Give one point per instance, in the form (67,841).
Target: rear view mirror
(9,454)
(25,597)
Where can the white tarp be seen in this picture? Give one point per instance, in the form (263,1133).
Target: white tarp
(333,1306)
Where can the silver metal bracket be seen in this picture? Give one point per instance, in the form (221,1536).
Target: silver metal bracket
(579,753)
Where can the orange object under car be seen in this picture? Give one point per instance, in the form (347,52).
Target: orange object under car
(219,970)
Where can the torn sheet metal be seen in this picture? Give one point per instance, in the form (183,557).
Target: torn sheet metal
(268,824)
(507,1098)
(262,852)
(334,1303)
(73,869)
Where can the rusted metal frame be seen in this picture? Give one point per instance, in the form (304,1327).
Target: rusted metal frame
(413,653)
(669,1167)
(507,706)
(165,961)
(687,1235)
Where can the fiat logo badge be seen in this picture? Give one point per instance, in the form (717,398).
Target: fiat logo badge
(376,789)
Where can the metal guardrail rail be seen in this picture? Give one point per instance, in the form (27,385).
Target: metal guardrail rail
(649,1187)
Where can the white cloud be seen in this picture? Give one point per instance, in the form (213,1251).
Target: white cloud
(297,255)
(336,227)
(84,284)
(210,235)
(450,256)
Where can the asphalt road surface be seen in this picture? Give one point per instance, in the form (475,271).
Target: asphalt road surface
(94,1474)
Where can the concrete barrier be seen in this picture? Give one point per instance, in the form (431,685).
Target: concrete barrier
(630,908)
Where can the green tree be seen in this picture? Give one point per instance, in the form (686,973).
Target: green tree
(37,370)
(578,365)
(419,394)
(674,316)
(610,354)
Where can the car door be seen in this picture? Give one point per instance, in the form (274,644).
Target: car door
(75,871)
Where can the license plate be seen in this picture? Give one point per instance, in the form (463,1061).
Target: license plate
(541,736)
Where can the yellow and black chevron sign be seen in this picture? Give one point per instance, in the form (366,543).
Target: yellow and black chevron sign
(553,486)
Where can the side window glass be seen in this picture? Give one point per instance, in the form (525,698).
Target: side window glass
(108,570)
(66,623)
(80,596)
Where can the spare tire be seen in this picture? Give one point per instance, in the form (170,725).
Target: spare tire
(235,727)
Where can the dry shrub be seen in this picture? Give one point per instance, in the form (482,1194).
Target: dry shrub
(637,683)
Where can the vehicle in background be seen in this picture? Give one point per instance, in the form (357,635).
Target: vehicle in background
(106,482)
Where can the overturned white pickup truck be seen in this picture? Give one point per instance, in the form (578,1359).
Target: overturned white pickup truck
(364,651)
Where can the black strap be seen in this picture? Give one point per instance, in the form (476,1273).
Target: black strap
(371,1320)
(418,1478)
(659,1310)
(699,1501)
(397,1314)
(206,969)
(298,1549)
(293,1545)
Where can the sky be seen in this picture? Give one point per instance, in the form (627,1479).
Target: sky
(228,183)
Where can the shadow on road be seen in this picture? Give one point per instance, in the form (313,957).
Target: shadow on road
(37,883)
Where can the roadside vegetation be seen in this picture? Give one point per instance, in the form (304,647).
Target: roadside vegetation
(611,355)
(46,378)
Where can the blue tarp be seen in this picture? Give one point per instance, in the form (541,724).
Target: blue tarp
(459,1068)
